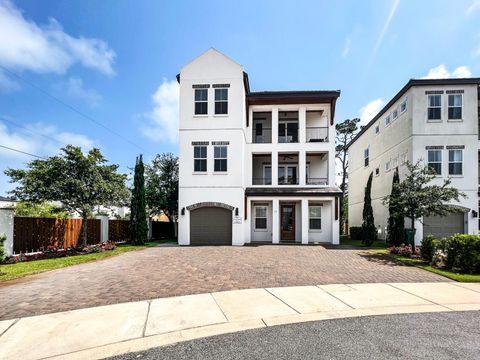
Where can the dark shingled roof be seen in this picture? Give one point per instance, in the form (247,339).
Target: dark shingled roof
(414,82)
(292,191)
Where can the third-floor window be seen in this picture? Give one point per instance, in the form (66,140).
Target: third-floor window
(434,107)
(201,101)
(455,106)
(221,101)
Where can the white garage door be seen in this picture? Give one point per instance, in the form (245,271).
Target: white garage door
(441,226)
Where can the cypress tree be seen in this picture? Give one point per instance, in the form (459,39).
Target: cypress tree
(368,225)
(396,221)
(138,211)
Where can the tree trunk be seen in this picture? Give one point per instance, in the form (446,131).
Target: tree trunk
(413,230)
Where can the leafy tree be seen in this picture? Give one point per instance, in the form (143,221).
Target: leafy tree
(138,210)
(162,186)
(43,210)
(396,221)
(346,131)
(79,181)
(414,197)
(368,225)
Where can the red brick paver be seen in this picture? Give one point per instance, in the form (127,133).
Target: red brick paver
(170,271)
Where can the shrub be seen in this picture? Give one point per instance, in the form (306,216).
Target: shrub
(356,233)
(404,250)
(3,238)
(428,248)
(462,252)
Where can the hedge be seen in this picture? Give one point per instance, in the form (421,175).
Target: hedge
(356,233)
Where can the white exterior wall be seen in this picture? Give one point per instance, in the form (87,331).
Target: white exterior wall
(409,134)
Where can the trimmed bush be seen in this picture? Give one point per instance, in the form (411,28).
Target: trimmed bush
(462,253)
(3,238)
(356,233)
(428,248)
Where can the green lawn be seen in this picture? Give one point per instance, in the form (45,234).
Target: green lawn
(421,265)
(14,271)
(344,240)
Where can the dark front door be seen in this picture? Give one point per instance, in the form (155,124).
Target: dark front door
(287,223)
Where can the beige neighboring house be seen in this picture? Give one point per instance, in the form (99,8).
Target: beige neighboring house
(433,120)
(6,202)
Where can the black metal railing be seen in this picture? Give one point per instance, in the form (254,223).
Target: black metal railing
(317,134)
(261,181)
(262,137)
(287,181)
(317,181)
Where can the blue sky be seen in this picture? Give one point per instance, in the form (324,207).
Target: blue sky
(116,61)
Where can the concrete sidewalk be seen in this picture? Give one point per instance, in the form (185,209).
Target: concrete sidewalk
(100,332)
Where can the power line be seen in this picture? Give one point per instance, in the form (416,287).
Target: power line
(71,107)
(32,131)
(21,152)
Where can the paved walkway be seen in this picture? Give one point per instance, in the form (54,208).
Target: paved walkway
(99,332)
(172,271)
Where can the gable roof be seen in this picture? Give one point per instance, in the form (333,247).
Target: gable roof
(408,85)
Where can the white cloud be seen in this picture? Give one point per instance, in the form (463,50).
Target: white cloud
(47,48)
(74,89)
(30,142)
(474,6)
(386,25)
(441,72)
(162,121)
(369,111)
(346,47)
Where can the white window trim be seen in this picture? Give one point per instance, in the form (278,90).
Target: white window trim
(261,217)
(389,167)
(434,107)
(309,218)
(436,162)
(454,162)
(388,119)
(215,102)
(448,108)
(401,104)
(195,101)
(395,117)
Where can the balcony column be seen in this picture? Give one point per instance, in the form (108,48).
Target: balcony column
(302,168)
(331,169)
(305,221)
(302,125)
(275,221)
(274,168)
(275,125)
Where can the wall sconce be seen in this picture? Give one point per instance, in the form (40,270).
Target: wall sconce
(182,211)
(236,211)
(474,214)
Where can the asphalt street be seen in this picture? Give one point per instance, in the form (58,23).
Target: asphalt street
(453,335)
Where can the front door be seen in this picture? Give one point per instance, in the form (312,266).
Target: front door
(287,224)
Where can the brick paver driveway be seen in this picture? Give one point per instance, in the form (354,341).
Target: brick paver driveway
(169,271)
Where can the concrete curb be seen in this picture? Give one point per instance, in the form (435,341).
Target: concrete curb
(105,331)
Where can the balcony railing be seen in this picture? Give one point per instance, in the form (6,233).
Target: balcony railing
(287,181)
(262,137)
(317,134)
(317,181)
(261,181)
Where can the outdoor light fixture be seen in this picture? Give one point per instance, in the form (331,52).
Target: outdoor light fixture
(474,213)
(236,211)
(183,211)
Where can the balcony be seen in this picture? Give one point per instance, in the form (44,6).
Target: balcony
(317,169)
(288,127)
(317,134)
(262,128)
(288,169)
(261,169)
(317,181)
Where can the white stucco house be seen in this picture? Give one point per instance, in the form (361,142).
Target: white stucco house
(433,120)
(254,166)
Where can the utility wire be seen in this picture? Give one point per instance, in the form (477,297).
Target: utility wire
(21,152)
(70,107)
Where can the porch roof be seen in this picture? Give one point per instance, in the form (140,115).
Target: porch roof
(292,191)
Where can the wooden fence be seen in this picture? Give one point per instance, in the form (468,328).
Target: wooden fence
(36,234)
(118,230)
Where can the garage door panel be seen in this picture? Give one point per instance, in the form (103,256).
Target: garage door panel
(211,226)
(442,226)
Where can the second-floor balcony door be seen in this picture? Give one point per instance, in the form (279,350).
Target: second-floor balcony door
(287,175)
(288,132)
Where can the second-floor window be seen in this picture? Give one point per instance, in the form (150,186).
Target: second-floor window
(221,101)
(434,107)
(455,107)
(220,158)
(201,101)
(365,156)
(200,158)
(435,161)
(455,162)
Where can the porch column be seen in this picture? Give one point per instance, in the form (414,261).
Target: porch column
(275,125)
(275,221)
(302,168)
(305,221)
(6,228)
(302,125)
(274,168)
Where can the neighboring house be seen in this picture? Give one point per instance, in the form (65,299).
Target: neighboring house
(6,202)
(254,166)
(433,120)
